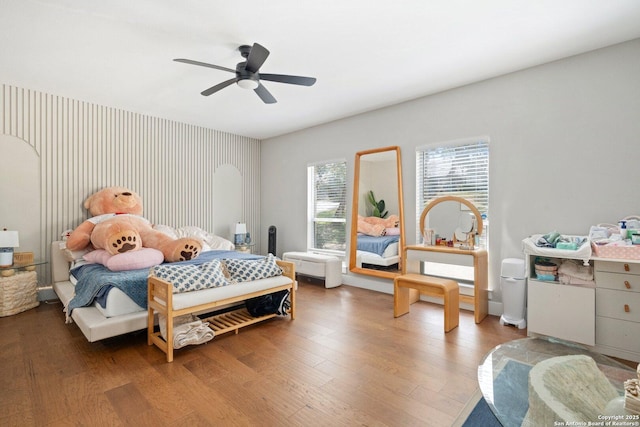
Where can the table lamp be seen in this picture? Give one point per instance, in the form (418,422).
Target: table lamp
(240,231)
(8,241)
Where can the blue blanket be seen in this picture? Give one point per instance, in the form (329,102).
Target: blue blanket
(95,280)
(377,245)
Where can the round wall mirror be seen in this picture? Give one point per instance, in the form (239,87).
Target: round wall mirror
(468,222)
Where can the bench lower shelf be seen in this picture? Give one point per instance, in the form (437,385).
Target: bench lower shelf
(233,320)
(223,323)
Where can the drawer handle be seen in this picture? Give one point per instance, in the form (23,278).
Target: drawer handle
(626,267)
(626,308)
(627,285)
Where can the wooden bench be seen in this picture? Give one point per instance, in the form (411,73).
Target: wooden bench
(432,286)
(162,301)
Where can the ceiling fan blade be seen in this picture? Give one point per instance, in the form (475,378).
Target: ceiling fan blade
(294,80)
(214,89)
(257,56)
(204,64)
(265,95)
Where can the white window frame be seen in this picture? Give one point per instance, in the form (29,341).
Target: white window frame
(311,201)
(478,195)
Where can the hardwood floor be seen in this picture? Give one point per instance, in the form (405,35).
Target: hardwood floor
(344,361)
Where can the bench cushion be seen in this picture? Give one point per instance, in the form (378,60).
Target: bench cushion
(204,296)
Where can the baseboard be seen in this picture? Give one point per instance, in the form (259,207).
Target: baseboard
(496,308)
(386,286)
(46,293)
(371,283)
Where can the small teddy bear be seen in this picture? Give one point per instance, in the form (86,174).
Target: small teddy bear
(118,227)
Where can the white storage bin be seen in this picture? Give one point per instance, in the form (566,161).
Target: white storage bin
(513,282)
(311,264)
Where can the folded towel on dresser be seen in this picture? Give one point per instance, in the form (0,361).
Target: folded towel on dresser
(573,272)
(187,330)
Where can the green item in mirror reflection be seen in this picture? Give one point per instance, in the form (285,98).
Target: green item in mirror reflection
(378,207)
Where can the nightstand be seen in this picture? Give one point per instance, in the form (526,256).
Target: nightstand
(244,248)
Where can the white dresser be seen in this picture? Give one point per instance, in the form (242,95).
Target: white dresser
(618,307)
(605,317)
(562,311)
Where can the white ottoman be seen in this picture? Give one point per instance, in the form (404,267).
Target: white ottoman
(326,267)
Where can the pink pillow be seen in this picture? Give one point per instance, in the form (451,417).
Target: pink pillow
(143,258)
(392,231)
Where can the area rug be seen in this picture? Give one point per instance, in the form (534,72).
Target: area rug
(512,380)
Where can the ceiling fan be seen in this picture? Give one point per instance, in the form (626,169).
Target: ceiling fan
(247,75)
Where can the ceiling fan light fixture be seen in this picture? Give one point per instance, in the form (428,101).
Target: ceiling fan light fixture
(248,76)
(248,83)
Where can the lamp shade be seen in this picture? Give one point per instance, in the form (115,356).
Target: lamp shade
(241,228)
(9,239)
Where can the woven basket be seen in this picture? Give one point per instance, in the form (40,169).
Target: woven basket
(18,293)
(546,270)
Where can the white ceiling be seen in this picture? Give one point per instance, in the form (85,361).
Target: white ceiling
(365,54)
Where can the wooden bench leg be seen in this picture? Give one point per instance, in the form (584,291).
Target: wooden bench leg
(404,287)
(451,309)
(400,300)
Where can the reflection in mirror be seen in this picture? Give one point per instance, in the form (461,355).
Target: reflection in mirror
(465,231)
(377,221)
(451,219)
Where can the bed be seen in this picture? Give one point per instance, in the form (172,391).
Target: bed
(378,252)
(100,314)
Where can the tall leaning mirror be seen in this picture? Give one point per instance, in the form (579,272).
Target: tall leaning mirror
(377,218)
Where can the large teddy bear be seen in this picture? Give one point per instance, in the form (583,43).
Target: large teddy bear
(374,226)
(118,227)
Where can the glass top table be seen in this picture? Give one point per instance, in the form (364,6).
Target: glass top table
(10,270)
(503,375)
(28,265)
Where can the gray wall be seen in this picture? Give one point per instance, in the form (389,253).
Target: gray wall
(563,141)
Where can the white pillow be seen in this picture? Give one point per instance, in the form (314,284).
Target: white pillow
(246,270)
(210,241)
(189,277)
(220,243)
(169,231)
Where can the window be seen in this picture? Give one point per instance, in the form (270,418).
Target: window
(327,223)
(457,168)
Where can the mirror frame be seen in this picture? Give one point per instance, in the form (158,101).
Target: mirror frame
(441,199)
(354,215)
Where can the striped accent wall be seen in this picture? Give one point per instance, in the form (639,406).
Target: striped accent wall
(84,147)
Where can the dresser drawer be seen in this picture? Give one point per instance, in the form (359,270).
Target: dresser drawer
(618,304)
(618,333)
(618,281)
(617,267)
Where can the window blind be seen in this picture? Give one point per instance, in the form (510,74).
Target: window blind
(458,168)
(327,206)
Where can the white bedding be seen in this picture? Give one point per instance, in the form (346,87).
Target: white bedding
(121,315)
(118,303)
(389,257)
(93,324)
